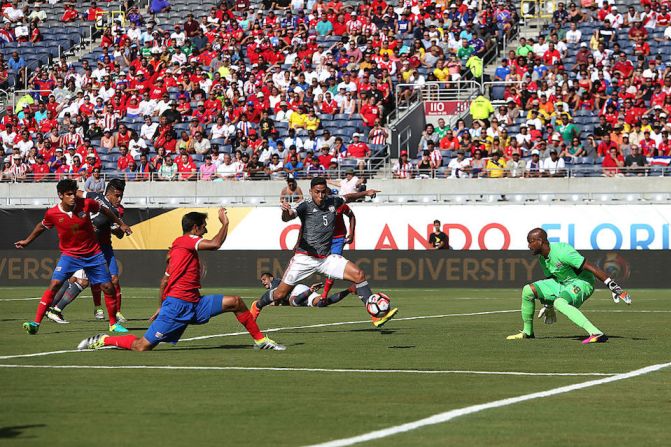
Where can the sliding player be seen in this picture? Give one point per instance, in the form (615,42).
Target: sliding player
(79,249)
(304,296)
(104,227)
(570,281)
(182,303)
(313,250)
(340,238)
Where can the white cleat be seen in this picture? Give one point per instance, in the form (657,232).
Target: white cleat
(267,343)
(95,342)
(56,316)
(99,314)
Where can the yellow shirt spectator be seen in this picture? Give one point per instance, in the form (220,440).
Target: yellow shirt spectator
(297,120)
(312,122)
(481,108)
(496,167)
(442,74)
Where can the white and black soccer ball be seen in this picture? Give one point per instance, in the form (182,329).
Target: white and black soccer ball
(378,305)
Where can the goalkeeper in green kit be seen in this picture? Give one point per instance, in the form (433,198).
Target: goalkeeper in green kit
(570,281)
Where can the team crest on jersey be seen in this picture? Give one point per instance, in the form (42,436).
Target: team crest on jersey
(559,265)
(332,208)
(576,290)
(158,335)
(81,214)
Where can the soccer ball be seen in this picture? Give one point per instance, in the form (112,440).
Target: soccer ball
(378,305)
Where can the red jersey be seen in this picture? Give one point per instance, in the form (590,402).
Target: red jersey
(184,269)
(340,230)
(76,236)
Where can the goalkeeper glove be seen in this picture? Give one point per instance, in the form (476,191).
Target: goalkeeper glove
(617,291)
(548,314)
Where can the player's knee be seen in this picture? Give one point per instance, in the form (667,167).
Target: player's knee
(83,283)
(358,275)
(529,292)
(115,280)
(238,303)
(279,294)
(107,288)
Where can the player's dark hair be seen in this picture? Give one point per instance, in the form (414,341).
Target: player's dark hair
(66,185)
(436,222)
(317,181)
(267,274)
(116,184)
(191,219)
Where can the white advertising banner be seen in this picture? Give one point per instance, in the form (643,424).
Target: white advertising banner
(502,227)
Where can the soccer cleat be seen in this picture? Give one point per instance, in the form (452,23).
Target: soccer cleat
(56,316)
(95,342)
(31,327)
(379,322)
(521,335)
(254,310)
(595,338)
(120,318)
(99,314)
(118,328)
(267,343)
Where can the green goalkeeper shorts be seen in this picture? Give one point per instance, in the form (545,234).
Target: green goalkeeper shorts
(575,292)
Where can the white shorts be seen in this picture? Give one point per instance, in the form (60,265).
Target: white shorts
(301,266)
(80,274)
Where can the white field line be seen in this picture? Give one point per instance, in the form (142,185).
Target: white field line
(310,326)
(452,414)
(343,323)
(317,370)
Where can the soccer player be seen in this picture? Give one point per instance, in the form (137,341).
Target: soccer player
(304,296)
(312,253)
(79,249)
(340,238)
(570,281)
(182,303)
(104,227)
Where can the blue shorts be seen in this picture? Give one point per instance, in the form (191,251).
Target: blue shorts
(177,314)
(108,252)
(337,245)
(94,266)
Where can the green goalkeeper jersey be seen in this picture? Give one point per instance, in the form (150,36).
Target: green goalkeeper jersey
(564,264)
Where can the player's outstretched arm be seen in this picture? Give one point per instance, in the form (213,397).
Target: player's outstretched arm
(360,195)
(352,227)
(39,229)
(114,218)
(218,240)
(287,212)
(617,291)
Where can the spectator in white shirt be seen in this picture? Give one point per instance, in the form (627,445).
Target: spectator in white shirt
(553,165)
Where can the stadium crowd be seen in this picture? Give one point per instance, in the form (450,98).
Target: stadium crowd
(302,88)
(587,93)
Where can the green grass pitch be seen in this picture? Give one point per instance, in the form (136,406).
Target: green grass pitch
(313,396)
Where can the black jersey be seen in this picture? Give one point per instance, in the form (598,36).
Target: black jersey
(318,224)
(101,222)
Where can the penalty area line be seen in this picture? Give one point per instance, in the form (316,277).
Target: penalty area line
(452,414)
(310,326)
(317,370)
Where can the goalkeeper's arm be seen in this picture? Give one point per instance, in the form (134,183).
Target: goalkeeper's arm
(614,287)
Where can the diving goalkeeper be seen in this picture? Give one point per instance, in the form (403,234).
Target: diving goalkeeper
(570,281)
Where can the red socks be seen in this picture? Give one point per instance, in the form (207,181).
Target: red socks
(45,302)
(121,341)
(117,289)
(110,303)
(327,287)
(95,291)
(247,320)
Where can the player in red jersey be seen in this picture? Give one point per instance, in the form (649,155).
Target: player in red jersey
(79,248)
(181,301)
(340,238)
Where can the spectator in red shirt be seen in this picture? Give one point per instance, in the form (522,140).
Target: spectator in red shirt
(605,146)
(40,169)
(70,14)
(358,151)
(125,161)
(612,162)
(186,168)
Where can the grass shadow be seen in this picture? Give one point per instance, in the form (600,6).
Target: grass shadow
(17,430)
